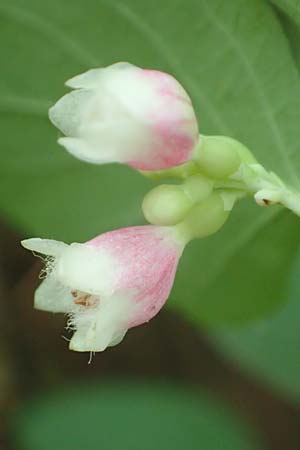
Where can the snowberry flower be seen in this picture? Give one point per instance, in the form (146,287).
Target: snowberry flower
(114,282)
(122,113)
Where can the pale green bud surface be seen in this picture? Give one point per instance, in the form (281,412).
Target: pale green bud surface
(166,205)
(178,172)
(204,219)
(198,187)
(220,156)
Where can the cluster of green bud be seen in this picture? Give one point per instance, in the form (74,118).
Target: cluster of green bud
(221,171)
(168,204)
(197,206)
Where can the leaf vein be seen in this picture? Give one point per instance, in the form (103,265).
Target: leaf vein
(269,114)
(159,44)
(46,28)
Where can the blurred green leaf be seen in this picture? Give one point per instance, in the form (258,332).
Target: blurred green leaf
(223,53)
(269,349)
(241,275)
(290,7)
(292,32)
(130,416)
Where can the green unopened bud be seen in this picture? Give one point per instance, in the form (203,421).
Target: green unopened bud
(166,205)
(204,219)
(197,187)
(220,156)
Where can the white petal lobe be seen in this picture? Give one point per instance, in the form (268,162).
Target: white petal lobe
(67,113)
(44,246)
(88,269)
(52,296)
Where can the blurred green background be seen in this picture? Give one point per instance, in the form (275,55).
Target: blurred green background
(219,368)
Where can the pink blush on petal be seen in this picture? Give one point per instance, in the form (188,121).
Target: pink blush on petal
(170,148)
(171,122)
(174,147)
(165,85)
(148,258)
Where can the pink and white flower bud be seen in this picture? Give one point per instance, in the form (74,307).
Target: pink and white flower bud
(114,282)
(122,113)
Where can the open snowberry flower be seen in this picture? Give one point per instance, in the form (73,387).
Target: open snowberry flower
(122,113)
(114,282)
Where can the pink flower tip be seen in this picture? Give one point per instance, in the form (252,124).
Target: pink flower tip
(122,113)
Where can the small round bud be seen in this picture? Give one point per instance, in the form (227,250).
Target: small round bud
(205,218)
(198,187)
(166,205)
(221,156)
